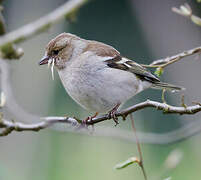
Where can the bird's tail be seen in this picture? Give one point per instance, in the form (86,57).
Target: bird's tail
(162,85)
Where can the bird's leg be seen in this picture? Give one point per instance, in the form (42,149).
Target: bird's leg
(85,122)
(89,119)
(112,114)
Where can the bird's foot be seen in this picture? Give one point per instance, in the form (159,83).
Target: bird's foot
(86,122)
(112,114)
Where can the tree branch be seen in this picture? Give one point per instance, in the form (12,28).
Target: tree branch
(10,126)
(172,59)
(49,121)
(41,24)
(7,48)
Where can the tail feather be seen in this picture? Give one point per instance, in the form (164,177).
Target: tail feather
(162,85)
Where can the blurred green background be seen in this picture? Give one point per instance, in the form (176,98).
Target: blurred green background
(141,30)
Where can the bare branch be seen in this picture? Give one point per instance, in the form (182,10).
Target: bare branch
(48,121)
(7,47)
(172,59)
(41,24)
(10,126)
(141,161)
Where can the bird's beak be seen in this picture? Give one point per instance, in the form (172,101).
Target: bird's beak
(44,60)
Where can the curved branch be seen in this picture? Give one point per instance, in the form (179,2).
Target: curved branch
(10,126)
(48,121)
(41,24)
(172,59)
(148,103)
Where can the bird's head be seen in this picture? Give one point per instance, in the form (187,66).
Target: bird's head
(62,49)
(59,50)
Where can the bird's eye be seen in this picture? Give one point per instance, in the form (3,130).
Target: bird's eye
(55,52)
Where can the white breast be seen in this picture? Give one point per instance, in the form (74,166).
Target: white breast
(98,88)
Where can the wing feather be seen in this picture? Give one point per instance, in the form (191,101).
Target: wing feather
(125,64)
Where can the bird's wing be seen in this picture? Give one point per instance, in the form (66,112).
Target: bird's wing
(115,60)
(125,64)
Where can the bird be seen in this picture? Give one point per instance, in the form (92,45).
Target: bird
(96,75)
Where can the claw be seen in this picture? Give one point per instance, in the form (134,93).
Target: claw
(112,114)
(86,122)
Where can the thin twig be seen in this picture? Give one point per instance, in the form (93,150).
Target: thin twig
(141,163)
(172,59)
